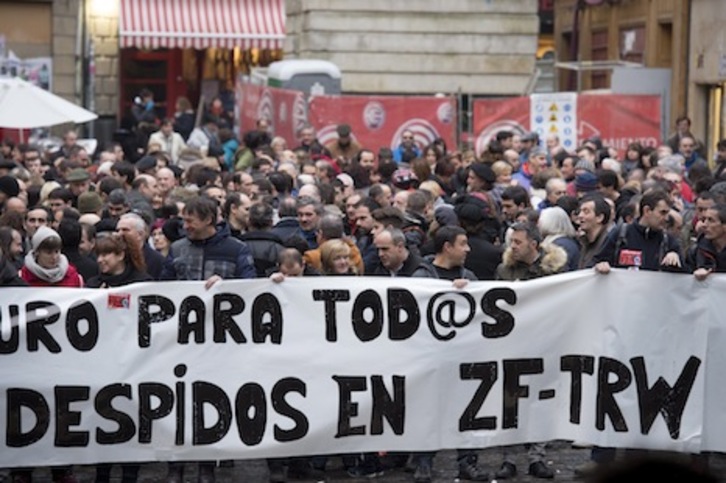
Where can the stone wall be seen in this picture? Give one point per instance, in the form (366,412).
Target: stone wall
(66,57)
(103,28)
(419,46)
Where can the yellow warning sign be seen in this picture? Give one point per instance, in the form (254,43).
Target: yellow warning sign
(553,128)
(553,118)
(553,107)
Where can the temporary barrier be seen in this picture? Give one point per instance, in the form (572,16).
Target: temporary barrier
(254,369)
(286,110)
(616,119)
(379,121)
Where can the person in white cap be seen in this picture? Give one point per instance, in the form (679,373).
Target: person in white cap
(45,265)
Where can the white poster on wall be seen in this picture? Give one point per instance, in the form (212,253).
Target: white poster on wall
(555,114)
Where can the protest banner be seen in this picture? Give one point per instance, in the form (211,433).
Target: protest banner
(252,369)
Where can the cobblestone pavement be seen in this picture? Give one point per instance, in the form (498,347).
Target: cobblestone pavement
(561,457)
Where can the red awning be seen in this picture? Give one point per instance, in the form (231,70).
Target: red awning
(199,24)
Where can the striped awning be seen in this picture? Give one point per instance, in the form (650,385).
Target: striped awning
(200,24)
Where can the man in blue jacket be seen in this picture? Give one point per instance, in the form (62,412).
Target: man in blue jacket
(207,252)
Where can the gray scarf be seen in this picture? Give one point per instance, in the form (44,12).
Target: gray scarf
(50,275)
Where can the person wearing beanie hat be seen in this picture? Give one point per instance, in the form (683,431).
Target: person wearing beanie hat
(584,165)
(9,188)
(445,215)
(90,202)
(6,165)
(146,165)
(480,182)
(484,172)
(483,230)
(45,266)
(585,182)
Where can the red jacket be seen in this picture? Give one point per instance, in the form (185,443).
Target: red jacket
(72,279)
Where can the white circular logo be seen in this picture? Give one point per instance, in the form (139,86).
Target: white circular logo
(423,131)
(445,112)
(374,115)
(488,133)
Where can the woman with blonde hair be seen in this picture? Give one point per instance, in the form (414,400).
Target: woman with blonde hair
(556,228)
(335,258)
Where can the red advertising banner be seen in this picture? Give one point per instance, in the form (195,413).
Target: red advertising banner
(378,121)
(284,109)
(620,120)
(616,119)
(501,114)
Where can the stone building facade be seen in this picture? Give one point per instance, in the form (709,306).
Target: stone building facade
(685,36)
(419,46)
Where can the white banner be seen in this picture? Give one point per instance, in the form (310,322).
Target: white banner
(249,369)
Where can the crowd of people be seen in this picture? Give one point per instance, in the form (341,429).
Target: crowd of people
(196,202)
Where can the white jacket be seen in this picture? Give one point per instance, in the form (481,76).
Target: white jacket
(173,144)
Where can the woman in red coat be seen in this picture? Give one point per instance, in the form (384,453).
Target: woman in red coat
(45,265)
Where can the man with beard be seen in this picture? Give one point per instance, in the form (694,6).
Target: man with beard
(363,233)
(236,210)
(344,149)
(593,220)
(526,259)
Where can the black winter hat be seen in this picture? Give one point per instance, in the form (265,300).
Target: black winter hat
(9,186)
(471,208)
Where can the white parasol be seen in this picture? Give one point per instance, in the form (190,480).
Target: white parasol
(26,106)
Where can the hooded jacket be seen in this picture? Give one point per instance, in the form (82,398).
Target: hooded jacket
(551,260)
